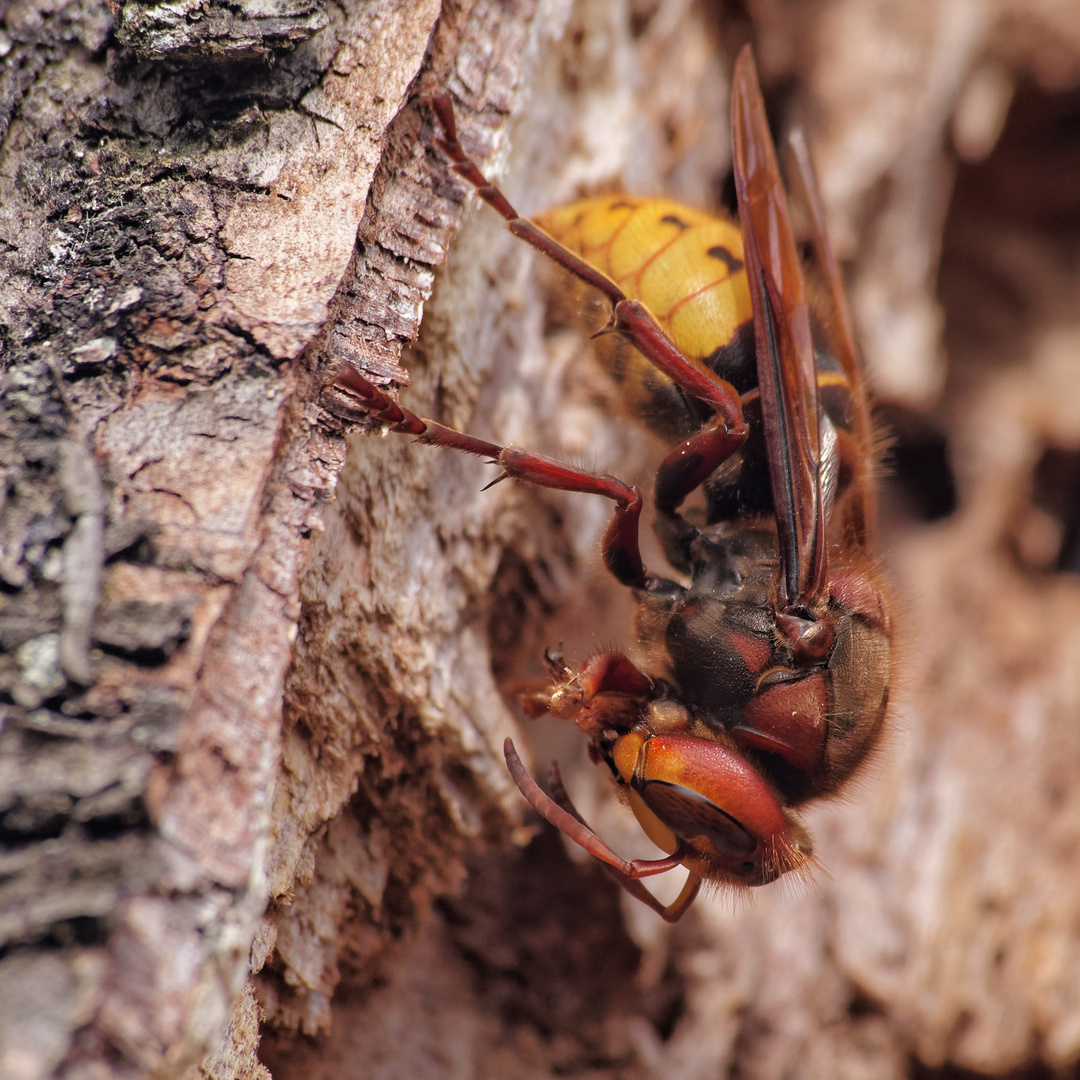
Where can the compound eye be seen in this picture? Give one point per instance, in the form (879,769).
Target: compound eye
(692,816)
(713,801)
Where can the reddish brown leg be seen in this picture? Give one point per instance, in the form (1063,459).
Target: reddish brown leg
(622,555)
(577,830)
(689,464)
(630,318)
(671,912)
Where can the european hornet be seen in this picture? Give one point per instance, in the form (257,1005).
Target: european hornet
(765,676)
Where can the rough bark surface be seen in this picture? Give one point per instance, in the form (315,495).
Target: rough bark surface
(252,709)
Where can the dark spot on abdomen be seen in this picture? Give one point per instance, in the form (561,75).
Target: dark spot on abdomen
(673,219)
(720,252)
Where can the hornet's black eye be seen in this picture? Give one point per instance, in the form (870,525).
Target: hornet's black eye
(691,816)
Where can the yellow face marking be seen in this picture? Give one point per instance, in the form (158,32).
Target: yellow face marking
(653,827)
(625,754)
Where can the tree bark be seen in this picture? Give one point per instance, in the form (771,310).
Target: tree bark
(254,692)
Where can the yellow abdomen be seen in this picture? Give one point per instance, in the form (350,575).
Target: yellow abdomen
(687,268)
(684,265)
